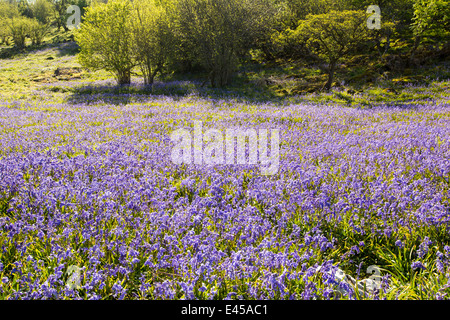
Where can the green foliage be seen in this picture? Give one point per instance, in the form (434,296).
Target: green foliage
(398,12)
(300,9)
(217,32)
(153,38)
(396,19)
(83,4)
(19,28)
(217,36)
(42,11)
(272,42)
(431,15)
(12,24)
(7,11)
(106,39)
(60,14)
(4,33)
(37,31)
(333,35)
(24,8)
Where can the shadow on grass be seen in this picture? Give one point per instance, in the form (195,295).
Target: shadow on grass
(11,52)
(69,48)
(110,93)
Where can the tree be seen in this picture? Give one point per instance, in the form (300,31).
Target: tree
(217,32)
(82,4)
(106,39)
(19,28)
(42,11)
(4,32)
(333,35)
(299,9)
(152,37)
(7,11)
(60,14)
(24,7)
(396,20)
(37,31)
(399,12)
(430,16)
(284,41)
(272,42)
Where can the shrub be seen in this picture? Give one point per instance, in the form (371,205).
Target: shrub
(216,33)
(106,39)
(431,16)
(19,28)
(42,11)
(4,32)
(37,31)
(153,39)
(7,11)
(333,35)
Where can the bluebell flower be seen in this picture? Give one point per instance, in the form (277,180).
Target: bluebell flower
(417,265)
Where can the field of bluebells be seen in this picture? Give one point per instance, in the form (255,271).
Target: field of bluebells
(88,182)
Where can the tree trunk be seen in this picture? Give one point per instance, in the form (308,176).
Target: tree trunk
(416,45)
(213,78)
(152,76)
(146,69)
(331,70)
(124,77)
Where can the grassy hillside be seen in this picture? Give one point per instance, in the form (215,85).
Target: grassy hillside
(33,76)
